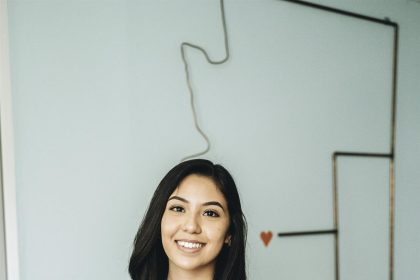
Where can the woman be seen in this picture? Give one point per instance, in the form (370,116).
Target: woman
(194,227)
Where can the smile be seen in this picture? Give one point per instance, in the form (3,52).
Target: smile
(189,245)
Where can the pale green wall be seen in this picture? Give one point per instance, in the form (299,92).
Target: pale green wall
(101,112)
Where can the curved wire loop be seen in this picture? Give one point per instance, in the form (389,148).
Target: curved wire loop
(184,47)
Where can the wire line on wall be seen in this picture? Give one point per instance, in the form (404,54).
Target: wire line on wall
(184,47)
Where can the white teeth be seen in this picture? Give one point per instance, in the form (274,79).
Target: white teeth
(190,245)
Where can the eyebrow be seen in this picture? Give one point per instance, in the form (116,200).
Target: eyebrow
(204,204)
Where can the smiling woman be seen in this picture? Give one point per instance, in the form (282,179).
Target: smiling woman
(194,227)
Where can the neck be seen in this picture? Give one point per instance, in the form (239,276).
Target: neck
(205,273)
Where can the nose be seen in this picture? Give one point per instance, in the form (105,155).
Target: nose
(192,224)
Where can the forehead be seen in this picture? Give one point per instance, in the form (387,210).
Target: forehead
(198,188)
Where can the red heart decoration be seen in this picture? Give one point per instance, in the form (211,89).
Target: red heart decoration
(266,237)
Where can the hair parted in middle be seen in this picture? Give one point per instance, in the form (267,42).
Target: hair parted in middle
(149,261)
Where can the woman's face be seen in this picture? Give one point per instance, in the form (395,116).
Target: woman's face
(195,224)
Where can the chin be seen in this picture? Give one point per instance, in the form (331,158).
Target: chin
(191,263)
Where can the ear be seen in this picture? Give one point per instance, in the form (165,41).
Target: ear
(228,240)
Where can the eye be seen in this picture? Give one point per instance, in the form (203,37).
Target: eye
(177,209)
(211,213)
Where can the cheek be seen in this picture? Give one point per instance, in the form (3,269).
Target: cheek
(218,232)
(169,225)
(166,226)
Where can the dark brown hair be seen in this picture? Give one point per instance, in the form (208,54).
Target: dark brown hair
(149,261)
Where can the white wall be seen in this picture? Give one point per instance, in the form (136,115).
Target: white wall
(2,239)
(101,112)
(8,222)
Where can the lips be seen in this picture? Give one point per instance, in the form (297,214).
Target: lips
(190,245)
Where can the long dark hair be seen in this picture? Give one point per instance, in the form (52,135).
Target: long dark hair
(149,261)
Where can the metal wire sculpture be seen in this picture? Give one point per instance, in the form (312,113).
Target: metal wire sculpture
(184,47)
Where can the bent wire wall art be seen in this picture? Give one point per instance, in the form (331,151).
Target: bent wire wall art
(266,236)
(338,154)
(184,47)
